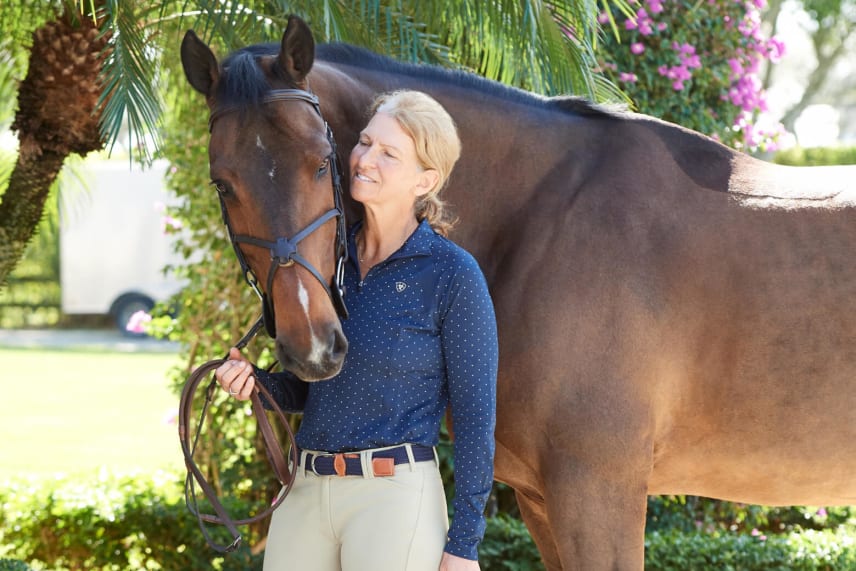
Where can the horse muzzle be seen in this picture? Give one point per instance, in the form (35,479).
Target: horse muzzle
(318,359)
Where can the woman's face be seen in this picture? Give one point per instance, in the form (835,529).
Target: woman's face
(384,167)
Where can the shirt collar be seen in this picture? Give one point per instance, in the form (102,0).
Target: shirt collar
(417,244)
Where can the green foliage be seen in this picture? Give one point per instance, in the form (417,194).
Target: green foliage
(109,525)
(508,546)
(13,565)
(130,91)
(802,551)
(690,514)
(694,63)
(115,524)
(816,156)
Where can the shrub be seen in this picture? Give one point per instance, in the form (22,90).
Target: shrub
(13,565)
(117,524)
(694,63)
(507,545)
(800,551)
(696,514)
(816,156)
(110,525)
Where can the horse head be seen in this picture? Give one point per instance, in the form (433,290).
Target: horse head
(273,163)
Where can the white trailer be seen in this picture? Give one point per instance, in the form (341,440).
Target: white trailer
(113,246)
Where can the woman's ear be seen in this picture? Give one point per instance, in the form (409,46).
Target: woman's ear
(428,180)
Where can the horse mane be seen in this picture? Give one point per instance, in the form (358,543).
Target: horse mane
(351,55)
(243,82)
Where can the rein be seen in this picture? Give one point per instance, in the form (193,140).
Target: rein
(284,253)
(188,447)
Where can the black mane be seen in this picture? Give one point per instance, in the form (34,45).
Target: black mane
(348,54)
(243,83)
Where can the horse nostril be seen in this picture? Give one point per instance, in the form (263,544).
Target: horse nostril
(339,344)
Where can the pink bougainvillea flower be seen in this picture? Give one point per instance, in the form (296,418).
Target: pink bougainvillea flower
(169,223)
(736,67)
(171,416)
(656,6)
(627,77)
(637,48)
(136,324)
(678,85)
(692,61)
(683,49)
(775,49)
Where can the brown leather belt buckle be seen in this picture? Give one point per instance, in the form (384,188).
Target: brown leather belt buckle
(383,466)
(339,463)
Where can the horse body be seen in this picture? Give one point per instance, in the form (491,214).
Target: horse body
(674,317)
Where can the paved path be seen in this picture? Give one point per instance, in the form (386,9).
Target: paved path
(93,339)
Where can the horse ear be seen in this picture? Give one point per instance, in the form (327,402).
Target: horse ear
(297,52)
(200,65)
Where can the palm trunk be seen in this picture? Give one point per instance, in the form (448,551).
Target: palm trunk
(57,115)
(23,204)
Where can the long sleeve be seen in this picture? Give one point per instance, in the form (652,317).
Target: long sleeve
(470,348)
(288,391)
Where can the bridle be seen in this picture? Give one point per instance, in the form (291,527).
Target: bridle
(284,253)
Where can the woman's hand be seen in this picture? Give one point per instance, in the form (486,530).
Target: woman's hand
(454,563)
(236,375)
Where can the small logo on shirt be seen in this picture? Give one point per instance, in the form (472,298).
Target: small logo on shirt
(400,286)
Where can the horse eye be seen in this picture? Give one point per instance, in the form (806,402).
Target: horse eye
(322,170)
(220,187)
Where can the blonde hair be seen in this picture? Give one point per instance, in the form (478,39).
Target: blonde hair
(437,146)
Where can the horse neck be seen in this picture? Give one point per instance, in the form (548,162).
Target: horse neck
(507,146)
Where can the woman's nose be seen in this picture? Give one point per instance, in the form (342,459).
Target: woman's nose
(366,156)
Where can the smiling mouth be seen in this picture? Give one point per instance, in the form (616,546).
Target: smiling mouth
(362,177)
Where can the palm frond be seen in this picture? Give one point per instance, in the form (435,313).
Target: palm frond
(128,76)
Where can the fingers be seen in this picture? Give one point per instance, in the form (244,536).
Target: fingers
(236,355)
(235,376)
(247,390)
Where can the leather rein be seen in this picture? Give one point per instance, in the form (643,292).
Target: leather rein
(283,253)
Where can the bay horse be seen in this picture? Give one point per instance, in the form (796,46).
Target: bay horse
(674,317)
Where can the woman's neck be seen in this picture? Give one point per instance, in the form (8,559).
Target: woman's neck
(381,235)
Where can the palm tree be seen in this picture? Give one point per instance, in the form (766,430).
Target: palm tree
(93,64)
(56,117)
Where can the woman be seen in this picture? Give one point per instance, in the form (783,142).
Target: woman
(422,335)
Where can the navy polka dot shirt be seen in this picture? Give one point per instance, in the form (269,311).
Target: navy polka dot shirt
(422,335)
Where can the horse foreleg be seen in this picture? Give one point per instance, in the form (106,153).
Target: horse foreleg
(534,512)
(597,518)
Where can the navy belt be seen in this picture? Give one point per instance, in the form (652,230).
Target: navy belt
(350,464)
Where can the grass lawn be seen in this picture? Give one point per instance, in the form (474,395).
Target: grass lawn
(77,412)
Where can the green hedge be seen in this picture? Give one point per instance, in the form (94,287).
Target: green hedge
(109,525)
(808,550)
(816,156)
(120,524)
